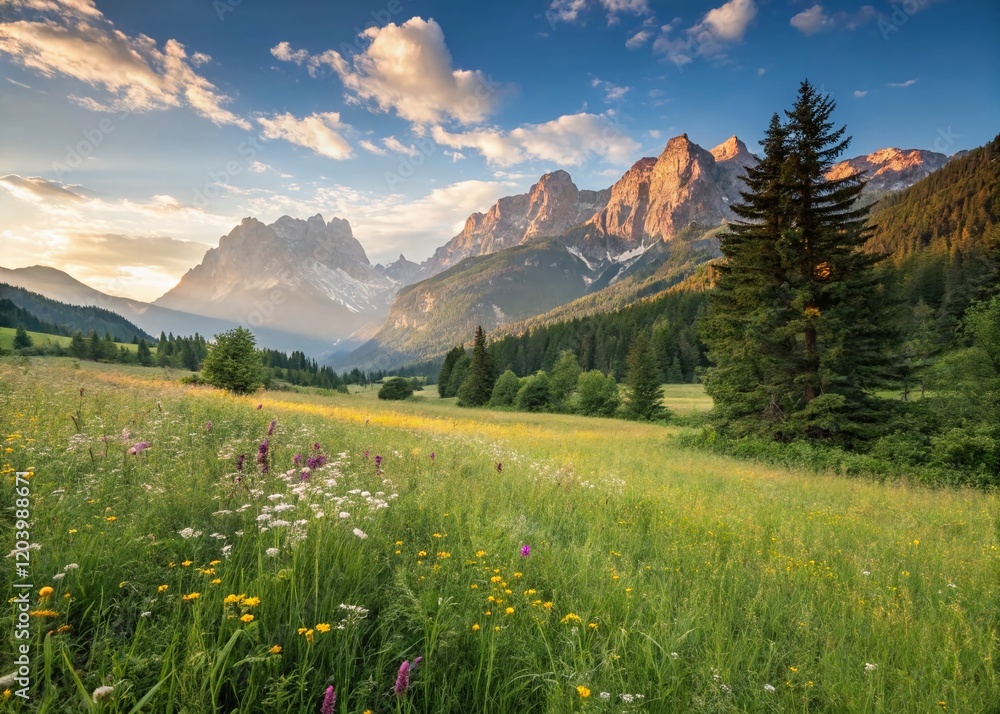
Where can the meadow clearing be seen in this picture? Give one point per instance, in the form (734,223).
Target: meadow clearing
(261,550)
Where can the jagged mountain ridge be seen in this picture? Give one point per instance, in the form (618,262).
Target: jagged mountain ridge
(310,277)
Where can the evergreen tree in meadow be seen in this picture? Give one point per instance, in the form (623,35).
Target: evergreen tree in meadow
(800,327)
(143,354)
(645,395)
(444,377)
(22,339)
(234,363)
(477,388)
(565,375)
(78,346)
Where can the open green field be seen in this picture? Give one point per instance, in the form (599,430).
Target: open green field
(658,579)
(42,339)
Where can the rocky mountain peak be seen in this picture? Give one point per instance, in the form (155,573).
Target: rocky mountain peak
(890,169)
(731,148)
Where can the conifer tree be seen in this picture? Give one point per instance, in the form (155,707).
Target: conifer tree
(22,339)
(645,394)
(800,327)
(444,377)
(477,388)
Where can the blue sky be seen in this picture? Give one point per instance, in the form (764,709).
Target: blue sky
(136,134)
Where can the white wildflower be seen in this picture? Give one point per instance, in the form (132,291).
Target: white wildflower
(59,576)
(769,688)
(869,667)
(145,614)
(103,693)
(71,566)
(360,533)
(345,514)
(674,655)
(189,533)
(272,552)
(605,695)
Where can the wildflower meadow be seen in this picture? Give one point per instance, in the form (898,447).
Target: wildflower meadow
(192,551)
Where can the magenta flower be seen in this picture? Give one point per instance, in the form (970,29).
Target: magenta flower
(297,459)
(525,550)
(432,456)
(259,407)
(314,462)
(139,448)
(208,426)
(403,678)
(263,454)
(329,701)
(366,453)
(378,461)
(316,446)
(239,462)
(304,476)
(271,426)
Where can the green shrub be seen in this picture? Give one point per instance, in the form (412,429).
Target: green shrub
(396,388)
(535,394)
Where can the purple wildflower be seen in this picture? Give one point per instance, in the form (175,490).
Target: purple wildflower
(378,460)
(403,678)
(208,426)
(314,462)
(263,455)
(432,456)
(297,459)
(259,407)
(270,427)
(525,550)
(139,448)
(304,476)
(316,446)
(329,701)
(239,462)
(366,453)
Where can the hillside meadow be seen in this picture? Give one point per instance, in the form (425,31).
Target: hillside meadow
(262,549)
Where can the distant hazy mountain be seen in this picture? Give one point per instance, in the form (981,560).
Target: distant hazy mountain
(57,285)
(307,277)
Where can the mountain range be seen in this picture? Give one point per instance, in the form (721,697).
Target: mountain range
(309,285)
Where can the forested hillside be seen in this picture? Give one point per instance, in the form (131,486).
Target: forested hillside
(68,319)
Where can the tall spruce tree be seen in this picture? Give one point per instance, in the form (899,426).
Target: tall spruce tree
(444,377)
(800,329)
(477,388)
(645,395)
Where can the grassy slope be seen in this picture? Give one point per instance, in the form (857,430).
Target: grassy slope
(751,575)
(40,339)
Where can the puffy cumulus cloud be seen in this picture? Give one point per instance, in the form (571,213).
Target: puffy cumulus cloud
(73,39)
(612,92)
(320,133)
(816,19)
(570,140)
(574,10)
(708,38)
(408,69)
(37,190)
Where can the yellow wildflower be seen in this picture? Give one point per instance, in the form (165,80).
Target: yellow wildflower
(583,691)
(276,649)
(45,592)
(162,588)
(323,627)
(475,628)
(247,617)
(191,596)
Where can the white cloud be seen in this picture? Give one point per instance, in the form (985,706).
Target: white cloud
(708,38)
(639,39)
(76,40)
(368,145)
(407,68)
(612,91)
(397,147)
(321,133)
(573,10)
(37,190)
(860,93)
(816,19)
(907,83)
(570,140)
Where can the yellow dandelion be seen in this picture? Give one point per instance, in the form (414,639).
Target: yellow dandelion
(251,602)
(323,627)
(215,562)
(217,581)
(45,592)
(480,553)
(247,617)
(187,563)
(191,596)
(509,611)
(592,625)
(422,554)
(583,692)
(276,649)
(111,519)
(162,588)
(475,628)
(571,617)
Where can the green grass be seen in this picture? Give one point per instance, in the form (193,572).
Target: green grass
(41,339)
(705,578)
